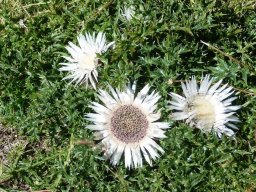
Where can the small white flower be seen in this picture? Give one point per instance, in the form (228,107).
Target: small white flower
(128,13)
(128,124)
(82,65)
(22,24)
(207,108)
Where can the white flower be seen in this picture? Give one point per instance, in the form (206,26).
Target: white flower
(128,13)
(207,108)
(22,24)
(127,124)
(82,65)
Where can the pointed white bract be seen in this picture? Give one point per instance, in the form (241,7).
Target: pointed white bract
(83,62)
(207,107)
(127,124)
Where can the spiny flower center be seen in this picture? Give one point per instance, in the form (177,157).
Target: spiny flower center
(205,113)
(129,124)
(87,61)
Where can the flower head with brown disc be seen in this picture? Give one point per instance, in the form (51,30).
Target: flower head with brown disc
(127,123)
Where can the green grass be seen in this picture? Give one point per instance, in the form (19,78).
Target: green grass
(161,47)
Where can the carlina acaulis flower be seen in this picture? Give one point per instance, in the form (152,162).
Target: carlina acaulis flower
(128,13)
(127,124)
(83,63)
(208,107)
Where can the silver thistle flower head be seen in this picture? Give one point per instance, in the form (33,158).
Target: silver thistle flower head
(206,107)
(128,13)
(127,123)
(83,62)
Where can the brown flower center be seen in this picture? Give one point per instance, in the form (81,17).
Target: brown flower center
(129,124)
